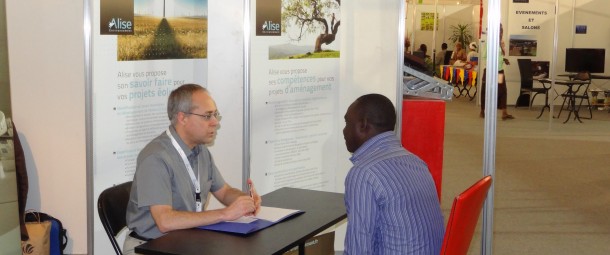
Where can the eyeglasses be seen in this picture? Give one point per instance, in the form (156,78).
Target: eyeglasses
(207,117)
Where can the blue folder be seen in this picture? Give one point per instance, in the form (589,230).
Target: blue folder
(244,228)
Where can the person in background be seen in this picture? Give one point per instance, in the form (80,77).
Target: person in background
(458,54)
(413,61)
(439,59)
(422,53)
(390,197)
(175,173)
(502,91)
(473,55)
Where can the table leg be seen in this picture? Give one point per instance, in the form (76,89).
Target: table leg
(546,105)
(475,92)
(576,116)
(588,105)
(302,248)
(572,109)
(456,88)
(462,90)
(542,111)
(565,97)
(568,106)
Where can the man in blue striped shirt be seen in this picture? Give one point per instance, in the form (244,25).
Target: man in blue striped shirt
(390,197)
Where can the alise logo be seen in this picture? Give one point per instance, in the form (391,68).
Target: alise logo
(270,26)
(269,18)
(120,25)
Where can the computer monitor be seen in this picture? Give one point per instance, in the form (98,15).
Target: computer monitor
(585,60)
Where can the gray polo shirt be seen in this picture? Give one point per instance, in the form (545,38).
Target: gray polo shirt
(161,178)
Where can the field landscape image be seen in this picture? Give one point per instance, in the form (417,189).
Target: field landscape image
(166,29)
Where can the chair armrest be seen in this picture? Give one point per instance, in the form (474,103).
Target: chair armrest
(546,83)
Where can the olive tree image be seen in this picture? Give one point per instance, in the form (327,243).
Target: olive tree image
(304,17)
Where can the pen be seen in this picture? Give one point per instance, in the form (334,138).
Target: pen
(250,189)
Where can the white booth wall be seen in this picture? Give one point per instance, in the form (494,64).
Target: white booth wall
(46,49)
(47,68)
(592,14)
(47,71)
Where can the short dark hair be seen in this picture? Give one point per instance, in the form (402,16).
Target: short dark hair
(378,110)
(444,46)
(423,47)
(180,100)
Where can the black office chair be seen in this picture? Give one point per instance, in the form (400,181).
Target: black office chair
(528,93)
(111,207)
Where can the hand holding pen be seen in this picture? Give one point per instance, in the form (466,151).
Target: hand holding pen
(254,195)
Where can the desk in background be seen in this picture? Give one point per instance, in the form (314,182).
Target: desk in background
(322,210)
(596,101)
(464,80)
(592,76)
(570,96)
(600,98)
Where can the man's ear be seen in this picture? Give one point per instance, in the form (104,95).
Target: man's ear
(364,127)
(180,117)
(360,125)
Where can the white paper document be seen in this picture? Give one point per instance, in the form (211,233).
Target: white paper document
(272,214)
(266,217)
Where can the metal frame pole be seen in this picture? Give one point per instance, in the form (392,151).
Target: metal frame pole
(400,63)
(489,146)
(246,130)
(554,60)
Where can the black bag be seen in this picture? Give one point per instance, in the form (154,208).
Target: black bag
(59,237)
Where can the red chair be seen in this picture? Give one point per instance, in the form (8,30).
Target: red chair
(463,219)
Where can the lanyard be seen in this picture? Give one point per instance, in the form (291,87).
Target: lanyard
(189,169)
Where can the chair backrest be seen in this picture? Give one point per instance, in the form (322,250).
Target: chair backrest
(419,54)
(447,57)
(526,72)
(112,207)
(464,217)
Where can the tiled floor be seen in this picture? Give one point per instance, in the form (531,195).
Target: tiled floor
(552,183)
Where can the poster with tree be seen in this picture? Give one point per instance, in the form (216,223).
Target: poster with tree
(294,84)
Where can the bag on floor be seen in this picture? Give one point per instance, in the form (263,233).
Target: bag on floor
(56,239)
(40,236)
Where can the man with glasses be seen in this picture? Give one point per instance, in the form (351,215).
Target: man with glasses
(175,173)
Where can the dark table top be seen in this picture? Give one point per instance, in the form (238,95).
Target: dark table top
(592,76)
(564,82)
(322,210)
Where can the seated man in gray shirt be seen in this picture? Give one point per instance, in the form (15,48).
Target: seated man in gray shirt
(175,172)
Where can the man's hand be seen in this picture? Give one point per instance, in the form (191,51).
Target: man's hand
(238,203)
(255,196)
(243,205)
(506,61)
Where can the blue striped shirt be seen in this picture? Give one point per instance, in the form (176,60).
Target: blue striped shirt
(391,201)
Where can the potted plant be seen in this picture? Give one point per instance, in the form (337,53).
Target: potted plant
(461,33)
